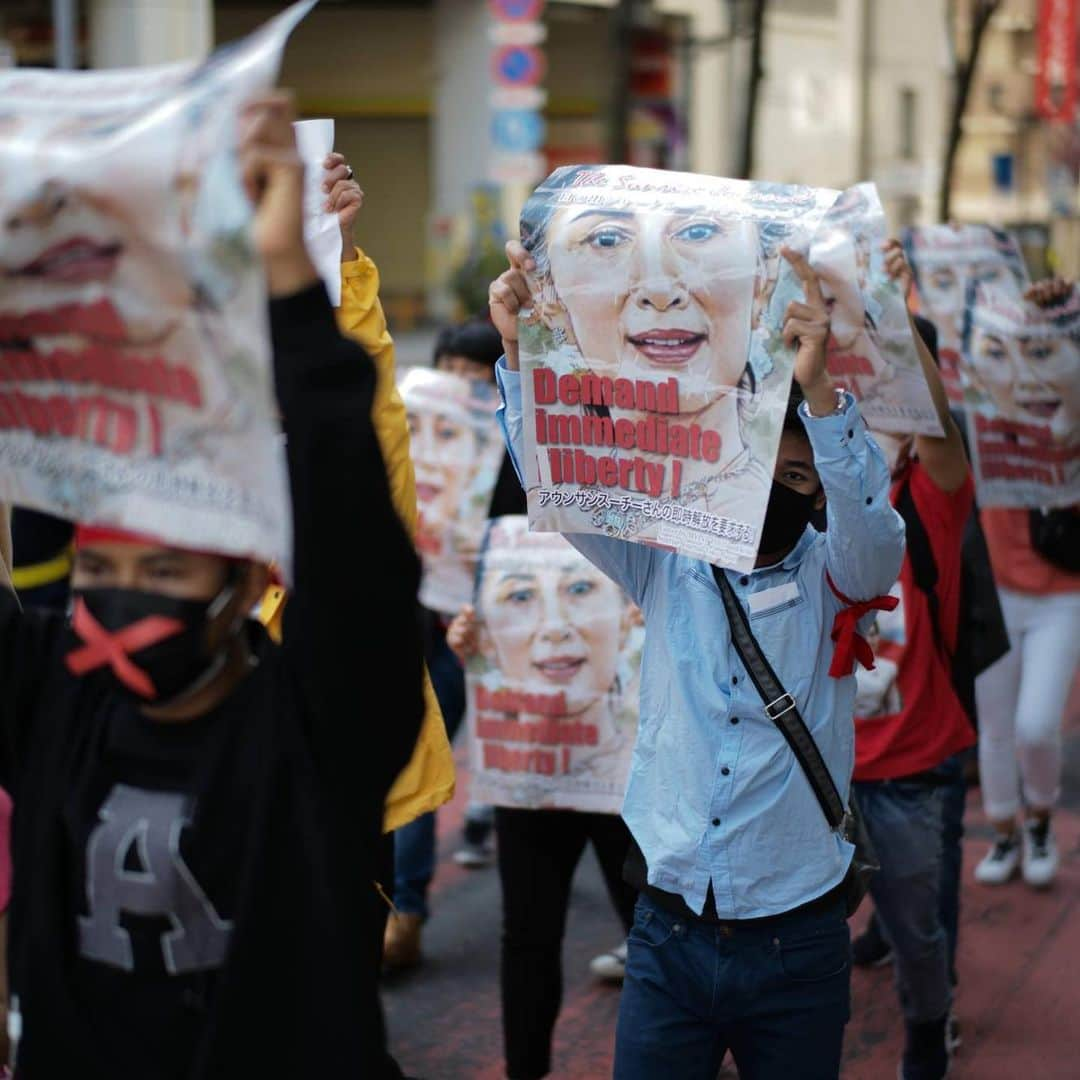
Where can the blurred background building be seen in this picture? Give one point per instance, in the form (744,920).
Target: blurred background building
(449,110)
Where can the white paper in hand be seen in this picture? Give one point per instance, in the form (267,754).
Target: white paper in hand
(314,140)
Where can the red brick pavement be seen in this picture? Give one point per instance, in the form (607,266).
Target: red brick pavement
(1019,969)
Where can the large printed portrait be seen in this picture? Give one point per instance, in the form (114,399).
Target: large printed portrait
(456,450)
(135,376)
(655,377)
(553,692)
(948,260)
(1021,369)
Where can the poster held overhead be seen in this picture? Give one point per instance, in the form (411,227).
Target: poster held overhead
(136,387)
(322,234)
(1022,392)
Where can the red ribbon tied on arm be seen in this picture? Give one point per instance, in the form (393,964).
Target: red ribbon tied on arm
(104,648)
(849,644)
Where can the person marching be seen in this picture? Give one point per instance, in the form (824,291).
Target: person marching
(199,810)
(740,939)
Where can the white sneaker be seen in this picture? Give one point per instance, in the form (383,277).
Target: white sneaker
(1040,854)
(474,856)
(610,966)
(1000,862)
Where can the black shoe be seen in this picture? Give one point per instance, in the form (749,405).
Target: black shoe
(870,949)
(926,1054)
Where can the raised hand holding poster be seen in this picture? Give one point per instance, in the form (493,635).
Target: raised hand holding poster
(457,450)
(135,372)
(947,259)
(553,692)
(1022,391)
(654,372)
(871,348)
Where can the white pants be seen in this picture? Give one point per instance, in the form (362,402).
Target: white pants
(1021,701)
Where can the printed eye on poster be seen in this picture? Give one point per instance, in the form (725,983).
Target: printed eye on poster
(654,372)
(553,691)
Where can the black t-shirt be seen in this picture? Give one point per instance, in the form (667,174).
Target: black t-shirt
(189,900)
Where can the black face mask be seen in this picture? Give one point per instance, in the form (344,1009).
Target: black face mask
(145,646)
(786,518)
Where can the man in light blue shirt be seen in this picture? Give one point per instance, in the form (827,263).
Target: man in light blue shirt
(740,940)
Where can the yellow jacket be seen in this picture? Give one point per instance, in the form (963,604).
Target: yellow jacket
(428,780)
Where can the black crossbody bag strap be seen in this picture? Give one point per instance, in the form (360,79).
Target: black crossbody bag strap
(780,706)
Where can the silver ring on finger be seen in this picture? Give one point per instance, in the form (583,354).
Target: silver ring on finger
(349,174)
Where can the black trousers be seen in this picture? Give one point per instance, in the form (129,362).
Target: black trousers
(538,853)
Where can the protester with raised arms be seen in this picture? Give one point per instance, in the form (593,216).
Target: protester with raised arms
(740,940)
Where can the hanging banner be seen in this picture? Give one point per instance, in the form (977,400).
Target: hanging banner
(553,692)
(136,387)
(872,351)
(946,260)
(1056,76)
(655,377)
(1022,379)
(518,66)
(457,450)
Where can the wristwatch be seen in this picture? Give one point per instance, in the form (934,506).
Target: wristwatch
(841,404)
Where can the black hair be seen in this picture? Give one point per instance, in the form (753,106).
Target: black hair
(792,420)
(476,340)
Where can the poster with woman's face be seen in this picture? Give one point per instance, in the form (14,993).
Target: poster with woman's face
(553,692)
(1021,372)
(135,370)
(871,351)
(947,260)
(654,374)
(456,450)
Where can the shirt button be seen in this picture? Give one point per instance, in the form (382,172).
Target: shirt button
(851,433)
(734,679)
(716,821)
(734,719)
(869,500)
(725,771)
(744,581)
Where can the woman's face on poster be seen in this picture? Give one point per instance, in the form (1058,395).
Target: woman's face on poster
(654,295)
(556,628)
(1032,380)
(444,454)
(944,286)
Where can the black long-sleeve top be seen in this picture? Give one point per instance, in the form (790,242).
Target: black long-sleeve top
(257,823)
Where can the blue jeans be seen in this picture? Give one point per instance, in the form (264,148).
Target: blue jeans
(904,821)
(775,992)
(414,844)
(953,804)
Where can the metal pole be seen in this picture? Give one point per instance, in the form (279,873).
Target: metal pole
(65,51)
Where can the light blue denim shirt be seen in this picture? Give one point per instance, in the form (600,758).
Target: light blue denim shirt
(715,794)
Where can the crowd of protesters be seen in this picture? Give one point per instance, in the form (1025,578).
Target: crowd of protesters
(283,773)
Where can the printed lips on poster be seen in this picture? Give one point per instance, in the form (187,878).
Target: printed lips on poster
(457,451)
(552,694)
(655,377)
(946,261)
(871,349)
(1022,392)
(135,377)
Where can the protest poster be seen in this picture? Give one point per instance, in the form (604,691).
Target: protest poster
(322,232)
(654,372)
(946,260)
(457,450)
(1022,396)
(136,386)
(553,692)
(872,351)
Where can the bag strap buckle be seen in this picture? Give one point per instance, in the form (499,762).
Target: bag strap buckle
(783,704)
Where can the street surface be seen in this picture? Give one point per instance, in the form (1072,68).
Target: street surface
(1019,967)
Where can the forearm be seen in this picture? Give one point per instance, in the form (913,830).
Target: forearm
(865,535)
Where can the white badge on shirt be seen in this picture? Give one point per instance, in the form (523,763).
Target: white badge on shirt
(777,596)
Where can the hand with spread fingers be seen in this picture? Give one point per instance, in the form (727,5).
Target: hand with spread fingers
(508,294)
(344,197)
(806,326)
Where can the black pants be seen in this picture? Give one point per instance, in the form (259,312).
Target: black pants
(538,853)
